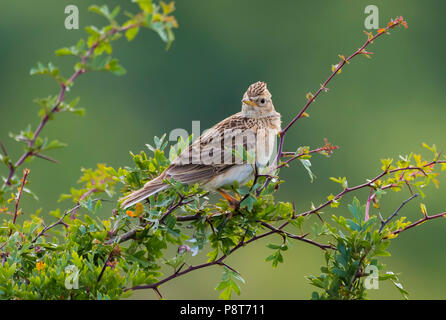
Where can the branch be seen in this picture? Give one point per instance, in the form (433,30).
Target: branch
(327,148)
(17,201)
(323,87)
(300,238)
(180,203)
(83,197)
(361,186)
(385,222)
(44,157)
(414,224)
(2,146)
(110,256)
(132,233)
(60,99)
(220,261)
(58,222)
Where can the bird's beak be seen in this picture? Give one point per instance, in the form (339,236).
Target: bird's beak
(249,103)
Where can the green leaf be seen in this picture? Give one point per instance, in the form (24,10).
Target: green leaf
(40,69)
(226,293)
(248,202)
(339,272)
(353,225)
(160,29)
(32,194)
(228,284)
(273,246)
(65,52)
(145,5)
(104,11)
(212,255)
(55,144)
(93,31)
(357,210)
(400,288)
(307,165)
(131,33)
(97,207)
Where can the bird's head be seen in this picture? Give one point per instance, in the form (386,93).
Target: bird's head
(257,101)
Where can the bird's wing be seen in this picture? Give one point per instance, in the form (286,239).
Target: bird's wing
(191,173)
(212,153)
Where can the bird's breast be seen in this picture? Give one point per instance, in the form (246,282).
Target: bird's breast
(266,140)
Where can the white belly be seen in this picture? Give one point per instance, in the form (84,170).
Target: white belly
(240,173)
(265,147)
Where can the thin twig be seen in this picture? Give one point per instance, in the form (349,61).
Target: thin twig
(369,183)
(44,157)
(297,237)
(414,224)
(220,261)
(323,87)
(385,222)
(274,230)
(110,256)
(174,207)
(17,200)
(3,148)
(83,197)
(60,99)
(367,207)
(132,233)
(58,222)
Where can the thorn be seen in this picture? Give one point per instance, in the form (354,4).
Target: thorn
(160,296)
(324,88)
(365,52)
(380,217)
(304,235)
(294,209)
(3,148)
(319,216)
(221,263)
(41,156)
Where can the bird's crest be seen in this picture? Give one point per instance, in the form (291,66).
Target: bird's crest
(256,89)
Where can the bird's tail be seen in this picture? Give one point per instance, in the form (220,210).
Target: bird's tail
(150,188)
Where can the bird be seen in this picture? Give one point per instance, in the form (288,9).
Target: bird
(211,159)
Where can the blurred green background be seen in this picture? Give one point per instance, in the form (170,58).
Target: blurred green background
(376,108)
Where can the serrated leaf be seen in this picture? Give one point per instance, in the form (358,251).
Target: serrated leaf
(131,33)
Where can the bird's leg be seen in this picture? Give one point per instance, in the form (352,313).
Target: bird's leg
(233,202)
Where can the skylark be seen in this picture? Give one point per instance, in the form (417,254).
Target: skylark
(211,161)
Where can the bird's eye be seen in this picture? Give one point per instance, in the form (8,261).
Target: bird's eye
(262,101)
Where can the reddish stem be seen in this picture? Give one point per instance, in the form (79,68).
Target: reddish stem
(60,99)
(17,201)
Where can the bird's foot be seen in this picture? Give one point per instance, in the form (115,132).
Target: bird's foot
(233,202)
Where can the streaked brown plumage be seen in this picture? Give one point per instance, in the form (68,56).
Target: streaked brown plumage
(210,161)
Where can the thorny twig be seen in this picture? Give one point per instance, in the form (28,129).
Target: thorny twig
(385,222)
(58,222)
(414,224)
(61,97)
(19,196)
(323,87)
(219,261)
